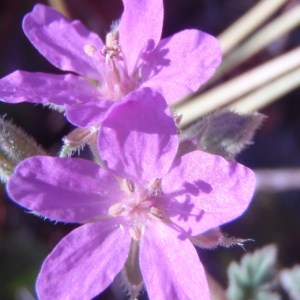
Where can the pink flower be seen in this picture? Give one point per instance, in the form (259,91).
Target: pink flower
(133,56)
(143,197)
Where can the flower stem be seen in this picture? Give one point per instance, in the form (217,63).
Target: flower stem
(248,23)
(277,180)
(261,39)
(6,168)
(60,6)
(269,93)
(231,91)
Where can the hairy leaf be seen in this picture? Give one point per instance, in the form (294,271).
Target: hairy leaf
(224,133)
(15,145)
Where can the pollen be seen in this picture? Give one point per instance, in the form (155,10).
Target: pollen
(89,50)
(112,48)
(116,210)
(158,214)
(155,187)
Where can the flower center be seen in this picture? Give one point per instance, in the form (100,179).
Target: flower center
(138,206)
(114,81)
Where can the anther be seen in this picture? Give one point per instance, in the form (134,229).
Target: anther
(158,214)
(89,50)
(116,210)
(112,48)
(155,187)
(130,185)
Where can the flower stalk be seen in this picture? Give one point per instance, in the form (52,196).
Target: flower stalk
(231,91)
(250,21)
(15,145)
(279,180)
(60,6)
(267,94)
(274,30)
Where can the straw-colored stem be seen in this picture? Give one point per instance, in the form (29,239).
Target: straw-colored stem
(248,23)
(277,180)
(216,290)
(60,6)
(269,93)
(226,93)
(264,37)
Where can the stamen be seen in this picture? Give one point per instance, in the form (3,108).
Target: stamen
(112,48)
(111,38)
(89,50)
(130,185)
(158,214)
(96,219)
(155,187)
(116,210)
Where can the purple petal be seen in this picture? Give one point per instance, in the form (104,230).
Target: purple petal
(84,263)
(88,114)
(63,189)
(138,140)
(170,266)
(205,191)
(61,41)
(21,86)
(183,63)
(140,28)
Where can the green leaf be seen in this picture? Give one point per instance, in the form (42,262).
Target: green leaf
(224,133)
(290,281)
(250,279)
(267,296)
(15,145)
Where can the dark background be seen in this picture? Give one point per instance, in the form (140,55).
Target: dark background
(273,218)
